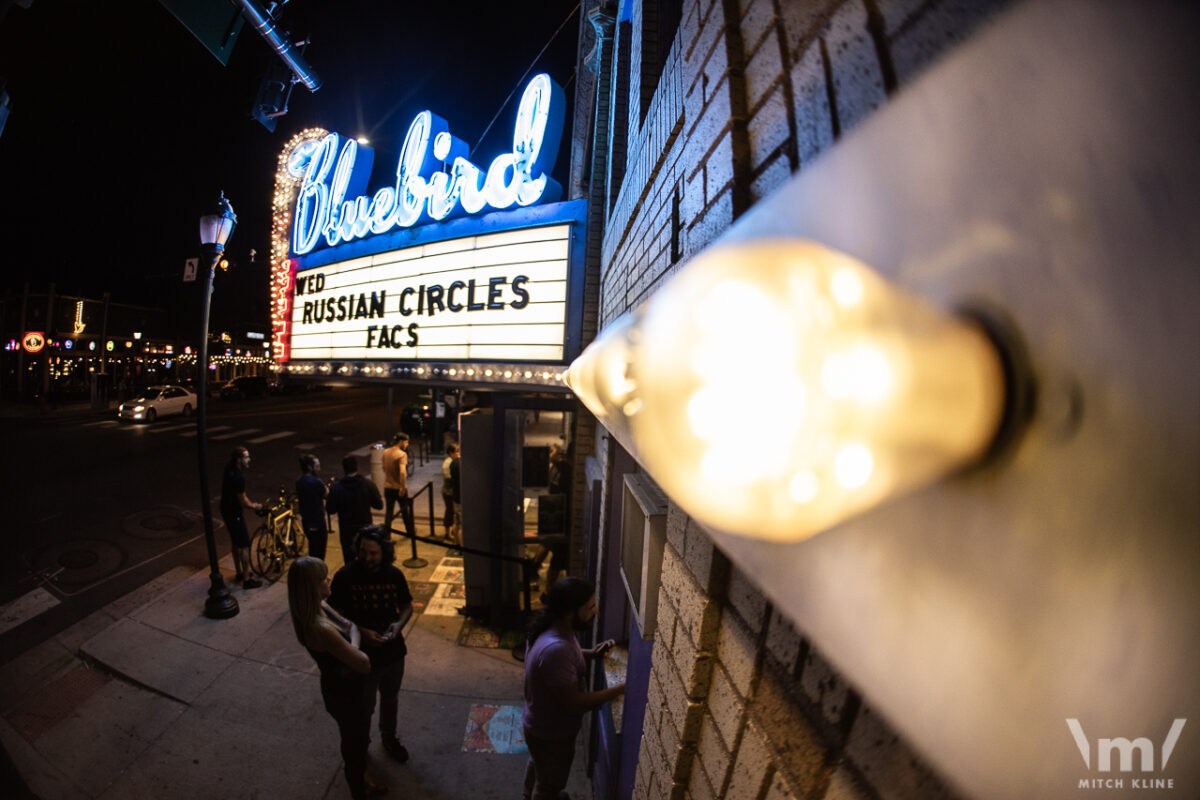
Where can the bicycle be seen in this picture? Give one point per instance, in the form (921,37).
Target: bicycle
(279,539)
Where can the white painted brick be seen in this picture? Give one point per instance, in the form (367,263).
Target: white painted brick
(814,126)
(824,686)
(746,599)
(783,642)
(736,651)
(857,79)
(751,766)
(887,763)
(725,705)
(712,753)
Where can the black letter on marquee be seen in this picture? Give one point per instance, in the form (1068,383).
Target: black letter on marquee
(377,303)
(471,304)
(412,334)
(450,304)
(434,293)
(494,285)
(307,311)
(520,291)
(404,309)
(371,335)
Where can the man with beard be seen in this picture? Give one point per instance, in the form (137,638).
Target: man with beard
(233,501)
(555,701)
(373,594)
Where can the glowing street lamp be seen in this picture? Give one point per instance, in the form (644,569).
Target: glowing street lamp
(869,390)
(215,230)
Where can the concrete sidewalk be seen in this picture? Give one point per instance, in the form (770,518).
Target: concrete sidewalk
(149,699)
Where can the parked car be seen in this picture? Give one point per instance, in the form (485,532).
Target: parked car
(245,387)
(156,401)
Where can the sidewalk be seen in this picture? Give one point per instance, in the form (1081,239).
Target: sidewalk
(149,699)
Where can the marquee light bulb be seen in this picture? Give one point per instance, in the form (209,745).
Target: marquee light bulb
(776,388)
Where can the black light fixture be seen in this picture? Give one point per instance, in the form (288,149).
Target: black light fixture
(215,230)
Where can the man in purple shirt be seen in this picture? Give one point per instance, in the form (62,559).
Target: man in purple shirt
(555,701)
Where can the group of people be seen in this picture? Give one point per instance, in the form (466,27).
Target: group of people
(353,497)
(352,622)
(351,626)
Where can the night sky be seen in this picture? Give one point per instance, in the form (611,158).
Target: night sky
(123,127)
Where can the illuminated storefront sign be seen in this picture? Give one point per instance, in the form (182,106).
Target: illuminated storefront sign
(501,296)
(433,180)
(34,341)
(450,262)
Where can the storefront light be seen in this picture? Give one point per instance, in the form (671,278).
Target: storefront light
(776,388)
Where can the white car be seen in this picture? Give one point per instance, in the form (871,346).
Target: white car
(156,401)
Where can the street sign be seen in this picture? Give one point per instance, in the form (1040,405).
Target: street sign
(189,269)
(215,24)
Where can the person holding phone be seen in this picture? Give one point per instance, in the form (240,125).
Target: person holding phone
(555,671)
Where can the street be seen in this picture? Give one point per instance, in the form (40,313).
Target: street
(98,507)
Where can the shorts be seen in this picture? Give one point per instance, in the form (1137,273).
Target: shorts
(237,530)
(448,514)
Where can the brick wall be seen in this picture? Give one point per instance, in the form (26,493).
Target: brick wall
(741,704)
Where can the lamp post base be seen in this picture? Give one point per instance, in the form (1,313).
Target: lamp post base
(220,603)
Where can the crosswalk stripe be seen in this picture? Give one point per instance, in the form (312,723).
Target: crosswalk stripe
(362,451)
(306,446)
(167,428)
(210,430)
(25,607)
(271,436)
(107,423)
(246,432)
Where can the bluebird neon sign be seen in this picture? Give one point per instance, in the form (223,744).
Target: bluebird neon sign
(434,180)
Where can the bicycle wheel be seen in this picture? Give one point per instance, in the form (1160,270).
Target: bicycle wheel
(266,554)
(295,543)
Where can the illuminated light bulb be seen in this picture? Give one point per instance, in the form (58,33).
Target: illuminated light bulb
(872,391)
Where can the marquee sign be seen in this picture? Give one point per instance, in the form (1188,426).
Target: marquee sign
(495,296)
(433,180)
(449,262)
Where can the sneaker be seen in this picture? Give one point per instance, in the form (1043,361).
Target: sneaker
(251,583)
(393,748)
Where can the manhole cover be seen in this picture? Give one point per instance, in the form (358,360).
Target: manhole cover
(162,522)
(80,562)
(78,558)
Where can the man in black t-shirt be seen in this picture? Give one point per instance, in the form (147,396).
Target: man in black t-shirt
(373,594)
(352,499)
(233,501)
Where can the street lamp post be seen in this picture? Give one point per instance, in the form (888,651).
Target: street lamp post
(215,230)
